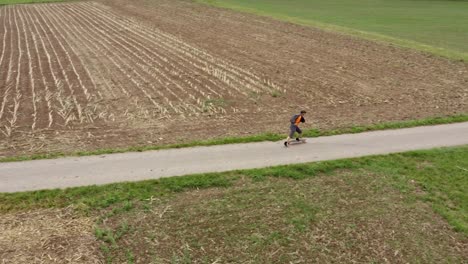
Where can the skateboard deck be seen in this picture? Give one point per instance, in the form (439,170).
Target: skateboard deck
(295,142)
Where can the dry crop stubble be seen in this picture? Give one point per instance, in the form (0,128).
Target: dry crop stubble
(127,81)
(101,67)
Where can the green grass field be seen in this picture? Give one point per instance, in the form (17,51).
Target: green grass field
(437,26)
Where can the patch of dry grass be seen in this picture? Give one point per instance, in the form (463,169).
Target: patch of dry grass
(48,236)
(351,216)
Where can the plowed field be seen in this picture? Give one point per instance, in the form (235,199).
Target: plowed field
(82,76)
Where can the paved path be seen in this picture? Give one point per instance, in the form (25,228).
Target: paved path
(80,171)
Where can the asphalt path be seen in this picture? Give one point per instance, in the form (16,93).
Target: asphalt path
(137,166)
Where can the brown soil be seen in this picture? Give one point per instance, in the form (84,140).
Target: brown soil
(122,73)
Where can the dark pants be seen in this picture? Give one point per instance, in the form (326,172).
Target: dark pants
(294,129)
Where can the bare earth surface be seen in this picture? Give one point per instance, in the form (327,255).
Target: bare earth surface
(83,76)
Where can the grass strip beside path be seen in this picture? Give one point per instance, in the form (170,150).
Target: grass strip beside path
(438,176)
(255,138)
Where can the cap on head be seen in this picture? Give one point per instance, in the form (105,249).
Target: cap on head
(303,112)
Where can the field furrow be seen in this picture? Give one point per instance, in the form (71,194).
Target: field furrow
(121,61)
(29,95)
(76,94)
(70,101)
(121,79)
(78,68)
(4,19)
(92,110)
(144,78)
(115,86)
(16,63)
(160,54)
(5,62)
(114,82)
(152,68)
(186,60)
(45,89)
(71,76)
(70,35)
(230,75)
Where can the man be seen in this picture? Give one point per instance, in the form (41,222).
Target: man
(295,121)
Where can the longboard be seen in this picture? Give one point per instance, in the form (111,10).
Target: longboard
(295,142)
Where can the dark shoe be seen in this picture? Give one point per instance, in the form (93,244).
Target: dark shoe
(297,139)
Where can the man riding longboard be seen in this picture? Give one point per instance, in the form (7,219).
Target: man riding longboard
(294,127)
